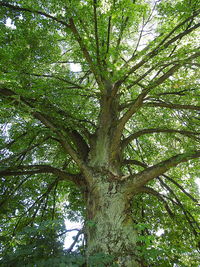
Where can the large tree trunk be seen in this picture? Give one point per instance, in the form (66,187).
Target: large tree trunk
(110,229)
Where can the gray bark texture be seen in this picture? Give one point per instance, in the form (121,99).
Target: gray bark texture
(111,229)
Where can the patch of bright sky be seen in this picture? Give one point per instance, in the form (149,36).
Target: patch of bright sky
(160,232)
(10,24)
(197,181)
(69,236)
(75,67)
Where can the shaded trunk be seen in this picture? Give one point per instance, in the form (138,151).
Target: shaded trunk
(110,229)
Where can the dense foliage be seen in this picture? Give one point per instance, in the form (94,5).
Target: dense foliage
(75,71)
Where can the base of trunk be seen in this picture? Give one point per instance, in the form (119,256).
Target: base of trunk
(110,230)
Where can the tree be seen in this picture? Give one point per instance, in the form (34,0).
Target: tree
(115,142)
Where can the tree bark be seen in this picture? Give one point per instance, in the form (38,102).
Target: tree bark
(109,228)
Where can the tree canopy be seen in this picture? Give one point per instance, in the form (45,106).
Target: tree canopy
(99,88)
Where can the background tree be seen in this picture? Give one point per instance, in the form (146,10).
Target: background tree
(115,143)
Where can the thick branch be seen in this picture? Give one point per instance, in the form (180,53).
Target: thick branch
(142,178)
(36,169)
(141,164)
